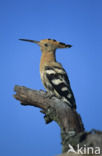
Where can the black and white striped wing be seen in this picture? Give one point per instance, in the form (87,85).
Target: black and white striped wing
(60,84)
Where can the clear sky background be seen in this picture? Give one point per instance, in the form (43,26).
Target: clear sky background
(78,22)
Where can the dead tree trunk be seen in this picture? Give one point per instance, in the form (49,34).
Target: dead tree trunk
(72,129)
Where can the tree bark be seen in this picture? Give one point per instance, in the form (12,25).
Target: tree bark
(72,128)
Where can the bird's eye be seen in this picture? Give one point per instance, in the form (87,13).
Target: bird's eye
(46,45)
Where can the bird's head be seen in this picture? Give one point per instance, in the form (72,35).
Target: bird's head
(48,45)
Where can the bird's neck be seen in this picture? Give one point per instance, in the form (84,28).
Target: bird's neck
(48,57)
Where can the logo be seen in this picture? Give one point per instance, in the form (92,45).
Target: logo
(84,149)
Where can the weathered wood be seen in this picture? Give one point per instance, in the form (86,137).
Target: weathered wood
(72,129)
(69,120)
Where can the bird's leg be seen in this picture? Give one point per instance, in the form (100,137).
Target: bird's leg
(49,95)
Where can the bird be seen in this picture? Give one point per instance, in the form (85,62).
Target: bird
(54,77)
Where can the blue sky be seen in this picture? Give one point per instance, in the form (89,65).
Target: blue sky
(23,130)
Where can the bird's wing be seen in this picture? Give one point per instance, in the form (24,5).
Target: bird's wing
(60,83)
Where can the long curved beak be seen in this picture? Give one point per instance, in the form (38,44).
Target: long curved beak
(27,40)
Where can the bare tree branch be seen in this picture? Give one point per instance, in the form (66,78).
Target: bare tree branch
(68,119)
(72,129)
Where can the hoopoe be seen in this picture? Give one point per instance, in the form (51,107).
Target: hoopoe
(53,75)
